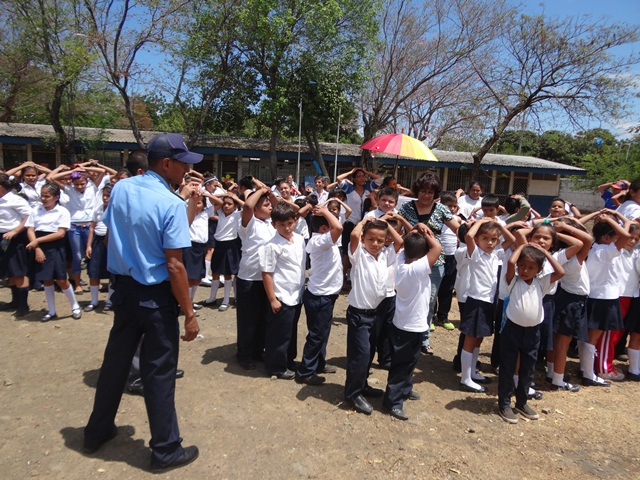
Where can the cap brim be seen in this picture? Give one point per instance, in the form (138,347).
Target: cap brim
(189,157)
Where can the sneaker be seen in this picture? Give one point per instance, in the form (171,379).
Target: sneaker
(614,375)
(527,412)
(223,308)
(76,313)
(433,327)
(448,326)
(507,415)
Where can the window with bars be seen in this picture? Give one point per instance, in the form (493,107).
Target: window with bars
(520,183)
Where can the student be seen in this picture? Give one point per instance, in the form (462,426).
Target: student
(96,251)
(490,207)
(226,256)
(517,208)
(603,302)
(282,262)
(14,259)
(252,303)
(370,260)
(323,287)
(449,241)
(32,178)
(628,280)
(46,228)
(320,193)
(471,200)
(461,285)
(387,201)
(421,251)
(477,322)
(520,336)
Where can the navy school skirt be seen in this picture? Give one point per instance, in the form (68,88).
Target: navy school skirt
(14,262)
(570,318)
(193,259)
(226,257)
(55,263)
(604,314)
(98,262)
(477,318)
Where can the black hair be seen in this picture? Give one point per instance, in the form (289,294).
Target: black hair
(388,192)
(107,188)
(490,200)
(9,183)
(318,221)
(301,202)
(534,254)
(392,222)
(511,205)
(52,188)
(312,200)
(334,203)
(474,182)
(282,212)
(634,186)
(279,182)
(602,229)
(387,180)
(367,205)
(427,181)
(355,172)
(415,245)
(487,227)
(339,193)
(633,227)
(446,197)
(558,199)
(463,229)
(318,177)
(246,182)
(137,160)
(375,225)
(554,235)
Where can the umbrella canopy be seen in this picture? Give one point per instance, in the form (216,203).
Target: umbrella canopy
(401,145)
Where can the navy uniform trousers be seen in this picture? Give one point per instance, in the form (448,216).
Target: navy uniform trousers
(406,351)
(281,339)
(319,310)
(360,328)
(152,311)
(252,305)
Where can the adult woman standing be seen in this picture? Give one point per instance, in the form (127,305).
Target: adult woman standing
(473,198)
(14,261)
(426,210)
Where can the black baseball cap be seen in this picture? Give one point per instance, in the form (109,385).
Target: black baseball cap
(171,145)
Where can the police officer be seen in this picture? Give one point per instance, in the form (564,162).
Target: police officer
(148,228)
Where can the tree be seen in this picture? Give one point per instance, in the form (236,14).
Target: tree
(545,66)
(119,31)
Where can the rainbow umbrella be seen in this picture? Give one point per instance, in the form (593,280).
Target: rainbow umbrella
(400,145)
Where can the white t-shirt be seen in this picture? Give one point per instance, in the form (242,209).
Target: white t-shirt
(228,225)
(199,228)
(603,277)
(302,228)
(448,240)
(413,287)
(466,205)
(377,213)
(369,277)
(483,275)
(503,286)
(80,205)
(461,284)
(322,197)
(525,301)
(49,220)
(325,275)
(630,209)
(576,275)
(96,216)
(286,261)
(253,236)
(628,268)
(33,193)
(13,209)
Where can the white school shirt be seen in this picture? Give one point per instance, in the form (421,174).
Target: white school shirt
(630,209)
(377,213)
(576,275)
(369,277)
(228,225)
(199,228)
(49,220)
(33,193)
(96,216)
(503,286)
(322,197)
(483,273)
(254,235)
(547,268)
(325,275)
(466,205)
(448,240)
(13,209)
(390,288)
(302,228)
(286,261)
(628,268)
(413,287)
(461,283)
(603,277)
(80,205)
(525,301)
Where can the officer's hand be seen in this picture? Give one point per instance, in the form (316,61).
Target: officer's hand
(191,328)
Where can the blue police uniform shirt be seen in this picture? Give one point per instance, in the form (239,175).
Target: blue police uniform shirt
(144,218)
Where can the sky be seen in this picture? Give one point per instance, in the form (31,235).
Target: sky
(618,11)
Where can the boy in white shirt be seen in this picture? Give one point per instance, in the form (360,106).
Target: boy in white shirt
(387,201)
(421,251)
(325,282)
(282,262)
(369,273)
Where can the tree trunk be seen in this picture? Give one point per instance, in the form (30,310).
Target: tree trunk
(273,155)
(316,152)
(64,141)
(128,108)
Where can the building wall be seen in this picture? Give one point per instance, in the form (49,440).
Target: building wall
(585,200)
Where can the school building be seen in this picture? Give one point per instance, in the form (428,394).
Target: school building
(231,158)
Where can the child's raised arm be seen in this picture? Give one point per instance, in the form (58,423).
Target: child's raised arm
(511,264)
(397,239)
(574,242)
(509,239)
(558,271)
(356,233)
(469,238)
(435,249)
(250,204)
(335,227)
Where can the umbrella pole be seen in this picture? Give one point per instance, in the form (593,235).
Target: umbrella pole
(395,169)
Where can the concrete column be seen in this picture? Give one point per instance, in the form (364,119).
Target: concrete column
(1,156)
(494,174)
(58,156)
(240,173)
(29,153)
(445,179)
(125,157)
(511,175)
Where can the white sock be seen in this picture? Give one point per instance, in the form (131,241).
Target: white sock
(94,293)
(109,294)
(192,292)
(72,298)
(207,266)
(634,361)
(50,295)
(549,369)
(516,379)
(227,292)
(466,360)
(558,379)
(474,374)
(587,356)
(531,391)
(215,284)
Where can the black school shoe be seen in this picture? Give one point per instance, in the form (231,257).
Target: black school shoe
(188,455)
(93,447)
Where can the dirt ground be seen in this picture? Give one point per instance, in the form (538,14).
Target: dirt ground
(249,426)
